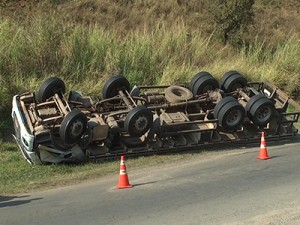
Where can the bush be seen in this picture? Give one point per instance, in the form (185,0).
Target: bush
(231,18)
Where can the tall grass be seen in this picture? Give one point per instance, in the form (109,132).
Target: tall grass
(85,56)
(279,64)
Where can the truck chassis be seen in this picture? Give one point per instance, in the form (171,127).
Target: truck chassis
(51,127)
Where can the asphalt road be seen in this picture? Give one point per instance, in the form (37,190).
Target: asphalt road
(228,187)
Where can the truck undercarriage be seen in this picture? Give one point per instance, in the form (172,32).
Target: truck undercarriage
(51,127)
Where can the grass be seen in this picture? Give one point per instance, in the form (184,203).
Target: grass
(17,176)
(274,19)
(165,55)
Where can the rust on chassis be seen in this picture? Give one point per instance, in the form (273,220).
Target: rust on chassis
(53,127)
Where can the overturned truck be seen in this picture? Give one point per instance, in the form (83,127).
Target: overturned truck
(52,126)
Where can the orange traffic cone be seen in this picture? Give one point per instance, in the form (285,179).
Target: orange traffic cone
(263,154)
(123,178)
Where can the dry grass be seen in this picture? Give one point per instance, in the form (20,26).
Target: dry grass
(164,54)
(275,20)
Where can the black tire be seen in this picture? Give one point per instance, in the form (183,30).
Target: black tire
(260,110)
(231,81)
(230,113)
(113,85)
(73,126)
(202,82)
(50,87)
(175,94)
(195,79)
(138,121)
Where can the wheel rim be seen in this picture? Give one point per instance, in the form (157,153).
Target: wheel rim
(76,129)
(140,123)
(234,117)
(264,113)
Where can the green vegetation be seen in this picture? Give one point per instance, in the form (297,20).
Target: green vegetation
(18,176)
(231,18)
(147,41)
(150,42)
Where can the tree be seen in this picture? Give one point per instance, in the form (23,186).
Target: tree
(231,17)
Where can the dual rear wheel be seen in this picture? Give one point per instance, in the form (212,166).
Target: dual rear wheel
(204,81)
(229,113)
(231,81)
(259,109)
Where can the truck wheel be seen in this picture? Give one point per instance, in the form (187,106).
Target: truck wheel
(138,121)
(73,126)
(113,85)
(260,110)
(231,81)
(230,113)
(202,82)
(175,94)
(50,87)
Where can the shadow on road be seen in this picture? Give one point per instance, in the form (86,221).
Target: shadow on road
(8,201)
(141,184)
(276,156)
